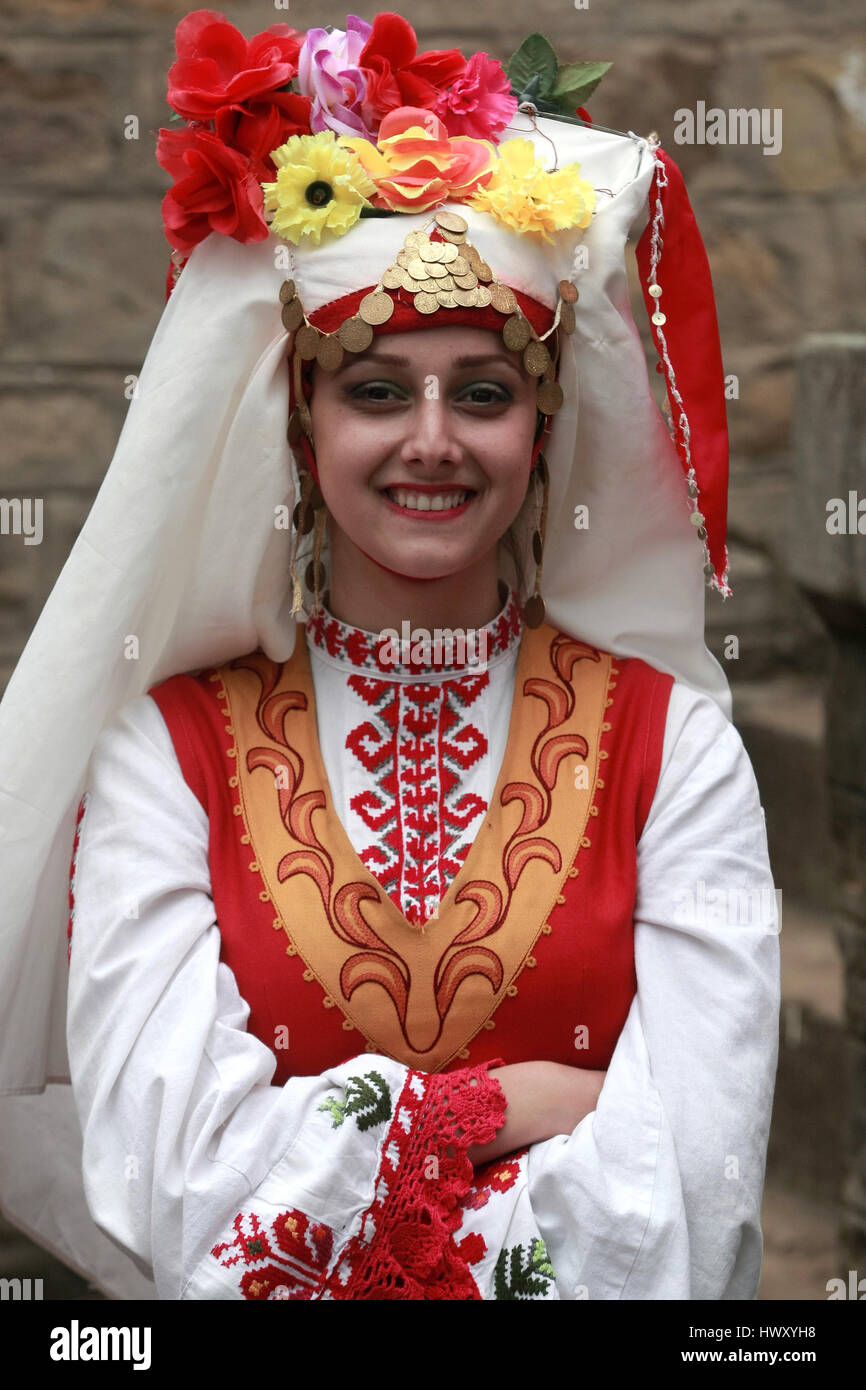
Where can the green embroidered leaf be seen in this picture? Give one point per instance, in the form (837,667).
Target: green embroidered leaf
(535,58)
(369,1100)
(500,1284)
(540,1260)
(336,1110)
(516,1278)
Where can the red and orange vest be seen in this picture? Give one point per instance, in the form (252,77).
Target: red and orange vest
(530,955)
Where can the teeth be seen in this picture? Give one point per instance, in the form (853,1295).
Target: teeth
(427,501)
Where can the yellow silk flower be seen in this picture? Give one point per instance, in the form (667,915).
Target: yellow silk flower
(525,196)
(319,186)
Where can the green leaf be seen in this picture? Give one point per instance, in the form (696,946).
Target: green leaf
(579,75)
(539,1261)
(336,1111)
(369,1100)
(534,58)
(576,82)
(515,1278)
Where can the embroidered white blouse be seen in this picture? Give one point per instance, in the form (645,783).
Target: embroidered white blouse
(224,1186)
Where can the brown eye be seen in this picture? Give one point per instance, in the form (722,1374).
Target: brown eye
(375,391)
(486,393)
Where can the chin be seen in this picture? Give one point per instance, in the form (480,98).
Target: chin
(421,570)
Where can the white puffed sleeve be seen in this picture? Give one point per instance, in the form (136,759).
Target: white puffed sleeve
(657,1193)
(215,1181)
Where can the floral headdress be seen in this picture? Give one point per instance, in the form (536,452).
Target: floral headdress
(307,132)
(303,135)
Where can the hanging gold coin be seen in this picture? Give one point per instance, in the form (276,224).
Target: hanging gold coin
(537,547)
(426,303)
(287,291)
(446,299)
(568,291)
(459,266)
(355,335)
(465,282)
(376,307)
(456,238)
(503,299)
(392,279)
(451,221)
(330,353)
(483,296)
(292,315)
(307,342)
(516,333)
(549,397)
(566,316)
(483,271)
(536,358)
(433,251)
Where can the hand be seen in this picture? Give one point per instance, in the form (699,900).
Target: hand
(544,1098)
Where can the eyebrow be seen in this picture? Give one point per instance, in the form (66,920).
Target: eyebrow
(389,359)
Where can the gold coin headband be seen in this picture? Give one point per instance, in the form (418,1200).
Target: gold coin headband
(446,273)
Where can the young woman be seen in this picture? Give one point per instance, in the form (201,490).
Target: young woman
(431,953)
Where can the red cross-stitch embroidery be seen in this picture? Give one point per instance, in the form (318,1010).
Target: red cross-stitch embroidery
(418,744)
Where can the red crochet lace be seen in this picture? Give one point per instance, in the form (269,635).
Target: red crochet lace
(405,1249)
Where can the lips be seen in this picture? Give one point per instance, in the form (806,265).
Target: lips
(428,500)
(426,503)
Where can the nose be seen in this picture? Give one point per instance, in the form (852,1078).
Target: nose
(432,435)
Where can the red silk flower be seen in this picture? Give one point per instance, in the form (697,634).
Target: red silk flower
(398,75)
(216,189)
(479,103)
(257,127)
(217,67)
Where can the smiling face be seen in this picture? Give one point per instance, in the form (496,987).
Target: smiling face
(423,446)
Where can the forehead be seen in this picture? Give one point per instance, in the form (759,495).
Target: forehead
(435,348)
